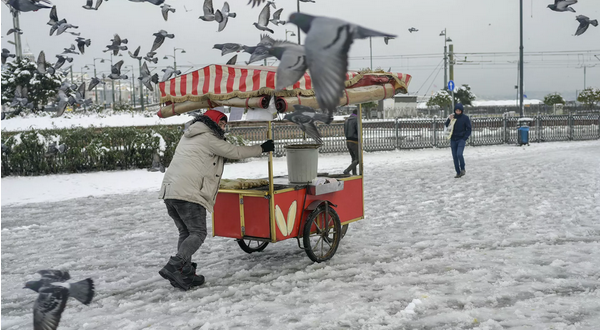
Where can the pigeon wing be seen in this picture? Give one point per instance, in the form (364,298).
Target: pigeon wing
(312,131)
(158,41)
(225,9)
(223,22)
(145,70)
(208,8)
(41,62)
(232,60)
(116,69)
(277,14)
(584,23)
(49,306)
(116,40)
(327,46)
(81,46)
(53,16)
(292,67)
(263,17)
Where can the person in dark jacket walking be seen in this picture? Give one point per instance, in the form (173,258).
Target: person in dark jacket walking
(351,132)
(461,130)
(190,186)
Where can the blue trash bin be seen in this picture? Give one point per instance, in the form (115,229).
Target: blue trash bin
(523,135)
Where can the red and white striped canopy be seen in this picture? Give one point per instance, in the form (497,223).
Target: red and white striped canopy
(235,79)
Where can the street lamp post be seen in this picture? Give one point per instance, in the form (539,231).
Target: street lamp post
(521,60)
(112,80)
(446,40)
(298,2)
(16,25)
(289,31)
(132,92)
(175,57)
(95,75)
(141,84)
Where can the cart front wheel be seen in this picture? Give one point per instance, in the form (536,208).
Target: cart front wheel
(251,245)
(322,234)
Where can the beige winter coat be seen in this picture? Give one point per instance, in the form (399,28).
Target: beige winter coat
(195,171)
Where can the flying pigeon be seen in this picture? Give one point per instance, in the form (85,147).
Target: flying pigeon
(154,2)
(160,38)
(146,78)
(584,23)
(305,117)
(70,50)
(75,33)
(115,71)
(15,30)
(412,29)
(292,66)
(228,48)
(263,19)
(88,4)
(115,46)
(27,5)
(81,43)
(135,54)
(79,96)
(61,61)
(209,11)
(169,71)
(150,57)
(62,100)
(41,63)
(222,17)
(387,39)
(6,54)
(63,27)
(93,83)
(53,296)
(276,17)
(261,51)
(232,60)
(562,5)
(54,17)
(327,44)
(165,9)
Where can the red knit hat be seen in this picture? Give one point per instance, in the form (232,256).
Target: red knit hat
(215,115)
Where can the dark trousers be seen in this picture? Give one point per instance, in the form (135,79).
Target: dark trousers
(190,219)
(458,146)
(353,150)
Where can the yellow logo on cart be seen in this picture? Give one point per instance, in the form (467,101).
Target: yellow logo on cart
(284,226)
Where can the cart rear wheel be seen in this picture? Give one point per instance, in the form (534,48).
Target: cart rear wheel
(252,245)
(322,234)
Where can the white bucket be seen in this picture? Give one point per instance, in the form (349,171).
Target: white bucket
(302,162)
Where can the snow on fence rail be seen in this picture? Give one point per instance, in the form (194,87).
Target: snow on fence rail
(108,148)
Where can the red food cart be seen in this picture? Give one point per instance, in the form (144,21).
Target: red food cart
(317,214)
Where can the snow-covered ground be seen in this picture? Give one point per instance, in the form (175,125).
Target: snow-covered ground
(515,244)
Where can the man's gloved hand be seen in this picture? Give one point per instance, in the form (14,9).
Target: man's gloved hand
(268,146)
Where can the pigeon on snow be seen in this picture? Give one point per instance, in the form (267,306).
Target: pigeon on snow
(562,5)
(160,38)
(327,44)
(53,294)
(263,19)
(584,23)
(305,117)
(228,48)
(165,9)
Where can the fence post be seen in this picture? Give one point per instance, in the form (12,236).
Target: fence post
(397,133)
(505,122)
(538,128)
(434,133)
(570,124)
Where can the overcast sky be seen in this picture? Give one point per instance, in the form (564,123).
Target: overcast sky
(486,32)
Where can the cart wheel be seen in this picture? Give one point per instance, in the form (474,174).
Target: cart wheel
(322,236)
(251,245)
